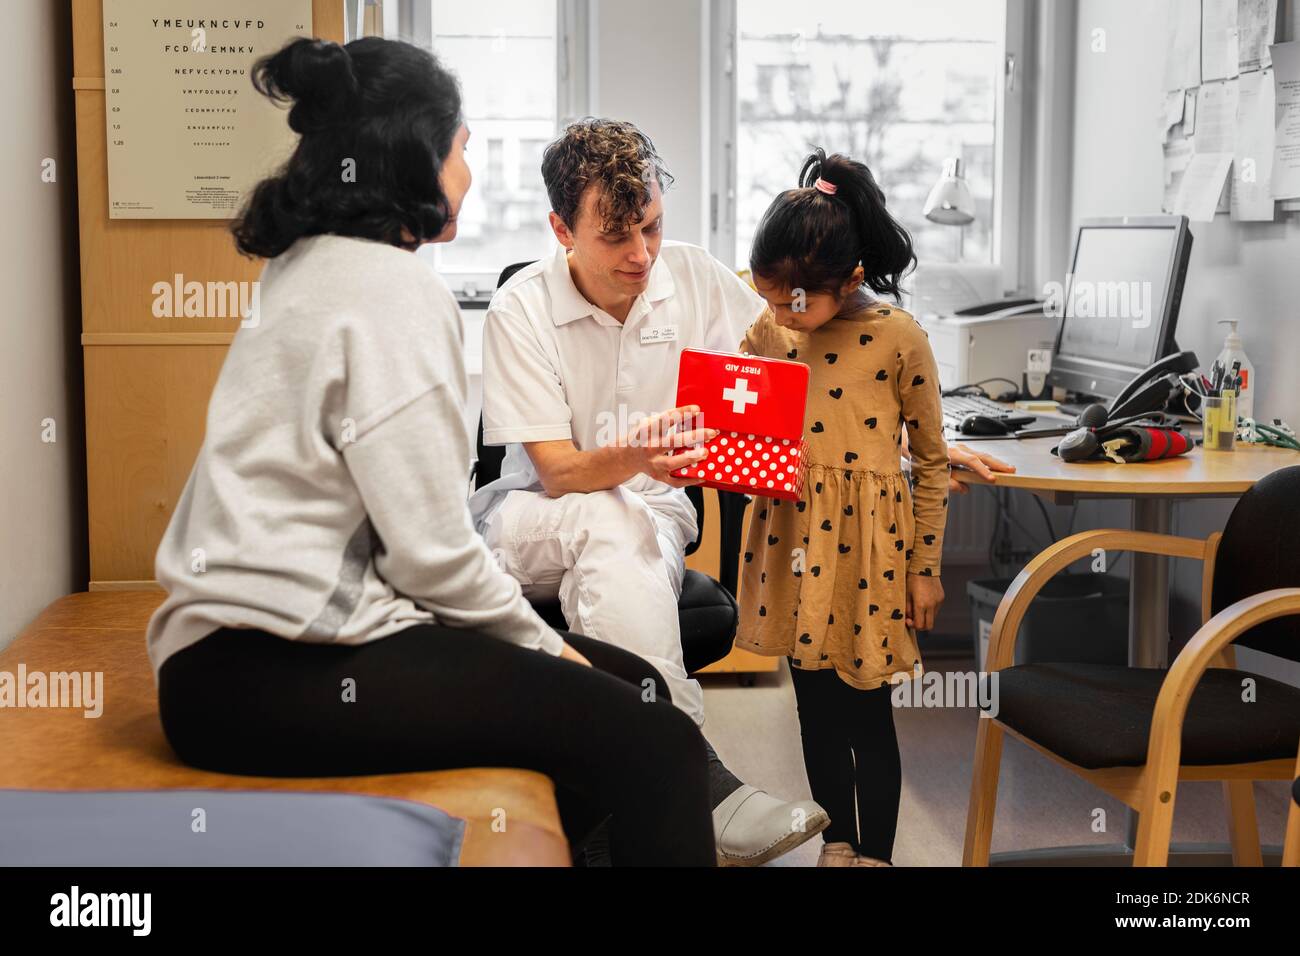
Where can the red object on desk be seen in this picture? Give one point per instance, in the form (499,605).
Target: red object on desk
(757,405)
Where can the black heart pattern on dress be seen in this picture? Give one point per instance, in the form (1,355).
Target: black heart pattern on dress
(870,422)
(792,353)
(928,538)
(917,380)
(772,539)
(848,511)
(862,584)
(857,662)
(897,615)
(816,570)
(762,611)
(817,428)
(830,358)
(826,524)
(882,376)
(845,548)
(850,457)
(864,339)
(872,609)
(805,639)
(836,393)
(889,575)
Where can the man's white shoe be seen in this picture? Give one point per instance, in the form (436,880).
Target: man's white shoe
(751,827)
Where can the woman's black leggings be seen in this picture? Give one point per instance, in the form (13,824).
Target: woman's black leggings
(433,698)
(850,749)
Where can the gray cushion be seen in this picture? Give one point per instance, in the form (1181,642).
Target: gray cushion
(243,828)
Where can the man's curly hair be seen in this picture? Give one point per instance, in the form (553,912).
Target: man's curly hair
(614,156)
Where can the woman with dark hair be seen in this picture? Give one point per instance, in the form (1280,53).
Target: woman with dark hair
(331,609)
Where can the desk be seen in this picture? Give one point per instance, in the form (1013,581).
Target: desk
(1154,488)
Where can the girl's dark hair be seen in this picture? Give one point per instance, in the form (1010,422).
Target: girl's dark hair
(813,241)
(387,106)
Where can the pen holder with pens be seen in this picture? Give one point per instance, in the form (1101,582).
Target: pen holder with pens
(1219,421)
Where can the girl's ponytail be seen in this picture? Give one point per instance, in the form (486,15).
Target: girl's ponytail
(814,237)
(884,246)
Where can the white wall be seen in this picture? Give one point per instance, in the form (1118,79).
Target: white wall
(1249,271)
(42,510)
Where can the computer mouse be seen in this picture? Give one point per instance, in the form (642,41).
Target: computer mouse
(982,425)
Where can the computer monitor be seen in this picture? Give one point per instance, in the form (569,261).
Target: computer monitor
(1120,304)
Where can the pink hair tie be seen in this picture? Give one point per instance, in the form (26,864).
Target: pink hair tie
(823,186)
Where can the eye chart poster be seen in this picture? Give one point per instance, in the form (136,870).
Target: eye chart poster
(188,136)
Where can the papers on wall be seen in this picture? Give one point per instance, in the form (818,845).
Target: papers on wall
(1252,167)
(1178,153)
(1175,109)
(1202,185)
(1189,114)
(1230,118)
(1286,120)
(1216,117)
(1183,52)
(1219,42)
(1256,30)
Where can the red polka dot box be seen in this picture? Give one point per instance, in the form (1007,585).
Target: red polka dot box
(757,405)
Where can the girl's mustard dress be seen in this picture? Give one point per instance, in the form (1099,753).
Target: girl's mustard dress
(823,579)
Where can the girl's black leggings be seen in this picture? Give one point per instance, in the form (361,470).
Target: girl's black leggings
(850,749)
(432,698)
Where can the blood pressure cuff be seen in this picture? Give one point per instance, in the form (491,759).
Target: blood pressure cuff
(1138,441)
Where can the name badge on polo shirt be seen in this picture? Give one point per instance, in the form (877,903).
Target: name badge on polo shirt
(659,333)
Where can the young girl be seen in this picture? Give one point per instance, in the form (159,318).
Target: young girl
(840,580)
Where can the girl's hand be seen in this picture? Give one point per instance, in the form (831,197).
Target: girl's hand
(983,464)
(924,595)
(569,654)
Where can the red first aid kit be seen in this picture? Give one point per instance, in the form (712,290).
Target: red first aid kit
(757,405)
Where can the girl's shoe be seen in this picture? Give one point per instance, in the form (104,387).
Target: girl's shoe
(836,854)
(860,860)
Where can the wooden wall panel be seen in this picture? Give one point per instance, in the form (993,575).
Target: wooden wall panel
(147,379)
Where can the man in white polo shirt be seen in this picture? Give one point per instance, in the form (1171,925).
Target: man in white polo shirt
(580,357)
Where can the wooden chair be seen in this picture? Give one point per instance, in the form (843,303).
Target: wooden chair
(1135,733)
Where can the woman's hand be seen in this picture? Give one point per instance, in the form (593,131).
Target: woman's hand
(983,464)
(924,595)
(569,654)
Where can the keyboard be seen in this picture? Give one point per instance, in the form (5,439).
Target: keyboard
(957,407)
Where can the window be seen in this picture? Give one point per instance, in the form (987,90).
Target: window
(508,55)
(899,86)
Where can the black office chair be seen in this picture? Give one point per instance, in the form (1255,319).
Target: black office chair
(707,609)
(1136,732)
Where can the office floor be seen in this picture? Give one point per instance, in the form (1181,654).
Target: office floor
(756,732)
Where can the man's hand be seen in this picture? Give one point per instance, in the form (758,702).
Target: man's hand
(661,444)
(924,595)
(983,464)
